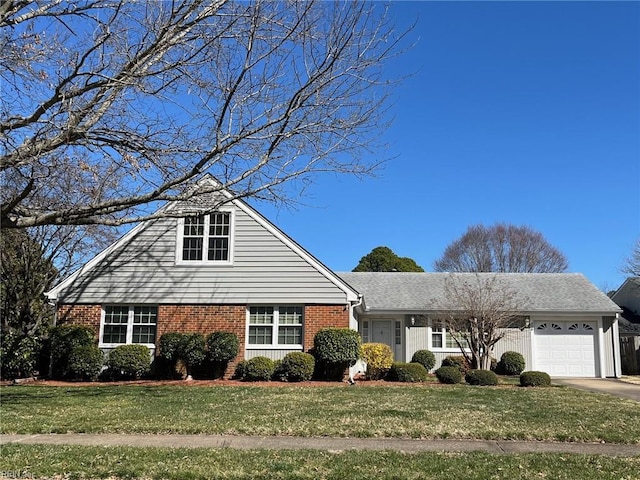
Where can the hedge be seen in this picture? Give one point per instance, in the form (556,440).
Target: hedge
(511,363)
(129,361)
(296,367)
(63,340)
(258,369)
(379,358)
(85,362)
(481,377)
(458,361)
(222,346)
(449,374)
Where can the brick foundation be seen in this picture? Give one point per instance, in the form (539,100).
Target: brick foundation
(210,318)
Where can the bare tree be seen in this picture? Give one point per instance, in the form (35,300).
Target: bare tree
(112,105)
(501,248)
(631,265)
(483,309)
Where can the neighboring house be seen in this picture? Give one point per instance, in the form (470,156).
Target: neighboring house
(212,266)
(628,298)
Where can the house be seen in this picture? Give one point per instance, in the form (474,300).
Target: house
(628,298)
(569,327)
(212,265)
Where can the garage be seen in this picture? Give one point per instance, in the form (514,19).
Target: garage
(566,348)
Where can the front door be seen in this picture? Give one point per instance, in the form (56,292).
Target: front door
(382,332)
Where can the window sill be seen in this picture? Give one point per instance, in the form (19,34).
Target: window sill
(200,263)
(273,347)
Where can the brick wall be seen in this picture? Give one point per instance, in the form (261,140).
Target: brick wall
(321,316)
(88,315)
(210,318)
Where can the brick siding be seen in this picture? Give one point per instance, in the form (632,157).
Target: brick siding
(210,318)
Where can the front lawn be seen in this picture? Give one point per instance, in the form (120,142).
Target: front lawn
(426,411)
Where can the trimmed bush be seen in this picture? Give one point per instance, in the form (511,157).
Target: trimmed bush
(337,345)
(335,349)
(511,363)
(85,362)
(184,350)
(535,379)
(458,361)
(129,361)
(426,358)
(407,372)
(481,377)
(259,369)
(222,346)
(296,367)
(449,374)
(63,340)
(379,358)
(241,370)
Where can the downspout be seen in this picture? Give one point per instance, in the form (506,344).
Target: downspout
(53,302)
(353,369)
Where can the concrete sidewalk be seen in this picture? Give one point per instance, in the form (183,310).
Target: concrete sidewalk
(323,443)
(612,386)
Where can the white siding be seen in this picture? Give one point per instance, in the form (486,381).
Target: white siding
(264,270)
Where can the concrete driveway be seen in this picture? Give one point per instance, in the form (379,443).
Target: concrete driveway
(611,386)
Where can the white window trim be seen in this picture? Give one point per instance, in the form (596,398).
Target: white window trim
(204,261)
(445,335)
(130,324)
(275,327)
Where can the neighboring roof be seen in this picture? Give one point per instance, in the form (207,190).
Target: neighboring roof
(425,292)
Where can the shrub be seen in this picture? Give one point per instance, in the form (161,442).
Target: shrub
(63,340)
(407,372)
(296,367)
(258,369)
(449,374)
(426,358)
(458,361)
(336,349)
(511,363)
(241,370)
(222,346)
(85,362)
(379,358)
(481,377)
(19,355)
(535,379)
(129,361)
(188,349)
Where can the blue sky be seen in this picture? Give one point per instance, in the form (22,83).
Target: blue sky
(519,112)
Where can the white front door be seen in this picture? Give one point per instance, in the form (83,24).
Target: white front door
(382,332)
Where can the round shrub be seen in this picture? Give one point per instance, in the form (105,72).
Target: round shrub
(193,350)
(337,345)
(535,379)
(296,367)
(481,377)
(129,361)
(449,374)
(426,358)
(458,361)
(407,372)
(85,362)
(241,370)
(379,358)
(222,346)
(259,369)
(170,345)
(511,363)
(20,355)
(63,340)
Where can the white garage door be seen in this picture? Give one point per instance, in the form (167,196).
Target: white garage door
(566,349)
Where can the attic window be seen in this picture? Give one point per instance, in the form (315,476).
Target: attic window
(205,238)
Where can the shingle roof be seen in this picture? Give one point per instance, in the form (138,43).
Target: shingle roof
(540,292)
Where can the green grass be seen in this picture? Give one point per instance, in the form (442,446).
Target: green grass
(556,413)
(74,462)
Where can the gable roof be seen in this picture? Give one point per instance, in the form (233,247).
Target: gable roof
(425,292)
(191,208)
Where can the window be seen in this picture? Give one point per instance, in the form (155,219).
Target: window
(205,238)
(129,324)
(275,326)
(365,331)
(441,337)
(398,333)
